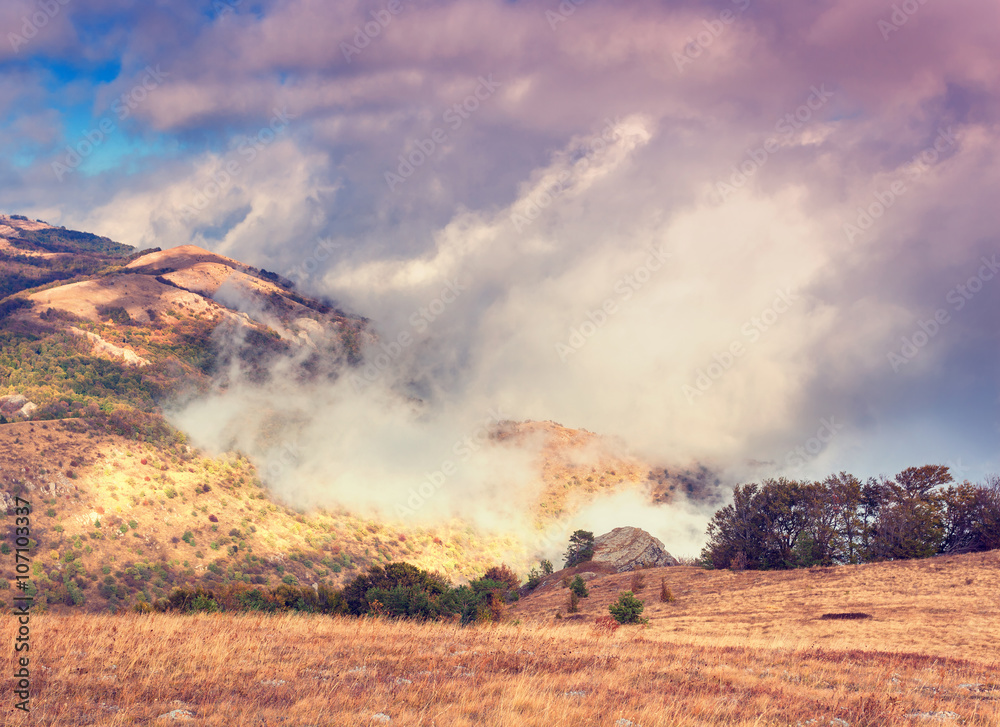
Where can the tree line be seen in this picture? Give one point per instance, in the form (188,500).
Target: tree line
(921,512)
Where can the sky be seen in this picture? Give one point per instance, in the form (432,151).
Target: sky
(760,235)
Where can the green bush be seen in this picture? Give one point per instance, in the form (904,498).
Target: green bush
(205,604)
(579,587)
(628,609)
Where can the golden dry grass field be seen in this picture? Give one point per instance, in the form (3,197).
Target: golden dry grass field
(733,649)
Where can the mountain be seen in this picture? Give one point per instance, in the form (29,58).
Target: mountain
(97,337)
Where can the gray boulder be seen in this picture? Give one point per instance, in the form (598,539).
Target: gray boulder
(16,406)
(627,549)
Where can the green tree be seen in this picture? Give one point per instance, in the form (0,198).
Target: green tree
(581,548)
(628,609)
(579,587)
(910,522)
(736,528)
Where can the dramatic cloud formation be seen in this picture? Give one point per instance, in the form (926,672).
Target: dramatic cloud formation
(759,236)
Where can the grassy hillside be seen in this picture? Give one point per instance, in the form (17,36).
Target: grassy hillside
(118,520)
(733,649)
(125,510)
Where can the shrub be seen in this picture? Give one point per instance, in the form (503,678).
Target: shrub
(535,576)
(205,604)
(579,588)
(574,602)
(628,609)
(213,518)
(666,596)
(503,574)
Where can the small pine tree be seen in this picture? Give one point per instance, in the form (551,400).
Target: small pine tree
(581,548)
(579,587)
(628,609)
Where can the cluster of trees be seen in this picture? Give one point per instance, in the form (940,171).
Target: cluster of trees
(920,512)
(396,590)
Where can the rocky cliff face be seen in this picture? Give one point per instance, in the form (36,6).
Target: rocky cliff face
(626,549)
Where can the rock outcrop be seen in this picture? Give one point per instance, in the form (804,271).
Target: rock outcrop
(15,406)
(627,549)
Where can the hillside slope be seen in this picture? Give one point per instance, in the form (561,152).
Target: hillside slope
(945,606)
(123,502)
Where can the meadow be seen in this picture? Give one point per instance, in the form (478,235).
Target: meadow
(748,648)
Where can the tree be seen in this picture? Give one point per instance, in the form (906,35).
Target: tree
(910,522)
(971,517)
(736,528)
(579,587)
(581,548)
(628,609)
(785,509)
(917,482)
(399,579)
(844,501)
